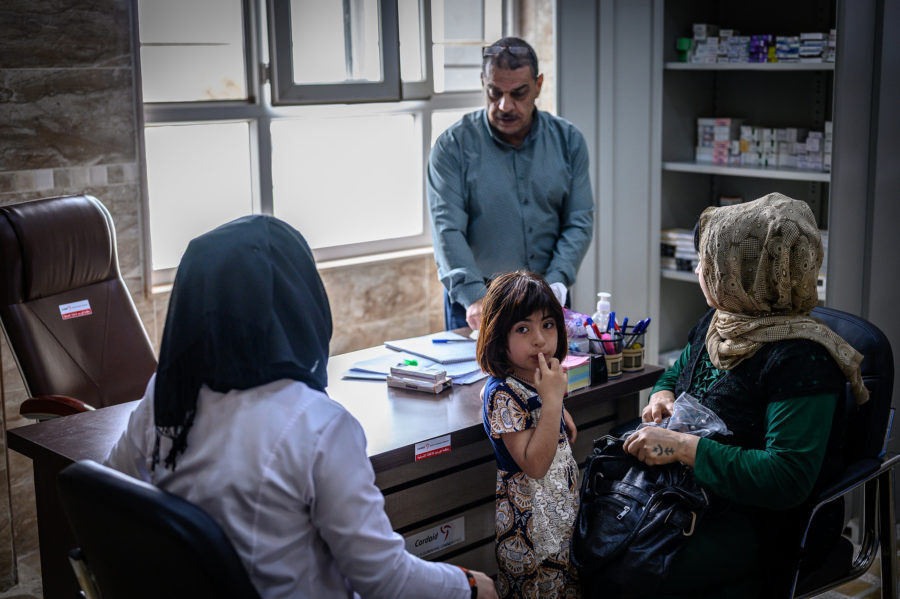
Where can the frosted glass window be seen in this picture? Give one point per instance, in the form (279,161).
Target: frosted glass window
(334,42)
(192,50)
(198,178)
(460,28)
(349,180)
(410,24)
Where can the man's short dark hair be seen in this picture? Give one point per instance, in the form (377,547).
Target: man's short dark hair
(499,55)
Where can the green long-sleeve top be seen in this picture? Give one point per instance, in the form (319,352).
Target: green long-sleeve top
(778,476)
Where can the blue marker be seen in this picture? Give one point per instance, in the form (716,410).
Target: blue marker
(450,340)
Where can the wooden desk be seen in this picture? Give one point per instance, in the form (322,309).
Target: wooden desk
(418,495)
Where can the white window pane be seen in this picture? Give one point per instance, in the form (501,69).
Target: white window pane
(198,178)
(462,68)
(331,47)
(463,20)
(409,22)
(462,79)
(349,180)
(192,50)
(460,28)
(493,20)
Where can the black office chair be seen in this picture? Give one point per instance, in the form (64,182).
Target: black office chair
(866,470)
(137,541)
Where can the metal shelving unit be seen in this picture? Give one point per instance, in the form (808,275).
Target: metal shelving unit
(787,174)
(751,66)
(762,94)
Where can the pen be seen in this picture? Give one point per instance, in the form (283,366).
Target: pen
(634,333)
(451,340)
(639,329)
(611,319)
(624,325)
(594,326)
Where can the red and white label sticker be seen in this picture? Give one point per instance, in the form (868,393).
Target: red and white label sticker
(75,309)
(432,447)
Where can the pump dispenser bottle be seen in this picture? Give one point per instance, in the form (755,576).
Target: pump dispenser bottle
(601,316)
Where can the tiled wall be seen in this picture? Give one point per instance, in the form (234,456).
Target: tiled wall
(68,124)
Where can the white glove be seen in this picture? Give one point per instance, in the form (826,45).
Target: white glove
(560,291)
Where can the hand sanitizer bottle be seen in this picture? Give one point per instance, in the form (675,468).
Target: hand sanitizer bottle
(601,316)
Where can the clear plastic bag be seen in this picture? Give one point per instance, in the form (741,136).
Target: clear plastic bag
(574,323)
(690,416)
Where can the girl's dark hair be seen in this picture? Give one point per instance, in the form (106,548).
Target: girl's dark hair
(510,298)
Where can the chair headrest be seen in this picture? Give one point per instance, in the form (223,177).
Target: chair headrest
(55,244)
(865,337)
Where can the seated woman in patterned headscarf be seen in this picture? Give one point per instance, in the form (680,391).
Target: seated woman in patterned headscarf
(236,420)
(773,374)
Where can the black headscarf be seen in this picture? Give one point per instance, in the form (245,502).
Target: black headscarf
(247,308)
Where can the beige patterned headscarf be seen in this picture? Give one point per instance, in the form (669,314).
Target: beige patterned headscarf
(760,262)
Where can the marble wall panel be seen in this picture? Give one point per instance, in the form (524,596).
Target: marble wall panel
(56,118)
(374,302)
(536,26)
(15,473)
(8,575)
(366,303)
(64,34)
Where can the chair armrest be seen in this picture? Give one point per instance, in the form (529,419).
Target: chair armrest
(44,407)
(855,475)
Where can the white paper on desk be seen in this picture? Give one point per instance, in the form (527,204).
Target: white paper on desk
(445,353)
(377,368)
(470,378)
(382,363)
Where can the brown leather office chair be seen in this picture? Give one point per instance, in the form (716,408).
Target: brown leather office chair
(67,315)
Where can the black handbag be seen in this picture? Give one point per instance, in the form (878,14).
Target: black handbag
(632,521)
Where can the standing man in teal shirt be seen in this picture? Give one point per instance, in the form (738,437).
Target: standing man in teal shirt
(508,188)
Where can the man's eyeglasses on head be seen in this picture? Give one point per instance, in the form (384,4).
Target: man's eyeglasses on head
(498,50)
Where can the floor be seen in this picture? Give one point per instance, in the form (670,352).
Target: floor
(868,586)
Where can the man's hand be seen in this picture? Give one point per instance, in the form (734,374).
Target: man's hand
(473,315)
(660,407)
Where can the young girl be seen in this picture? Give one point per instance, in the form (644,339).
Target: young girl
(521,343)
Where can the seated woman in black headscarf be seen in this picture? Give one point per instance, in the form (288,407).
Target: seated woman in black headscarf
(236,420)
(774,375)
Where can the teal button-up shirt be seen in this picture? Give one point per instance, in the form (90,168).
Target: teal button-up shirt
(496,207)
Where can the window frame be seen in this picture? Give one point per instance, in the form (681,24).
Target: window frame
(259,110)
(286,92)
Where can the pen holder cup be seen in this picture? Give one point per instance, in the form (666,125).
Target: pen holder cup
(633,352)
(611,347)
